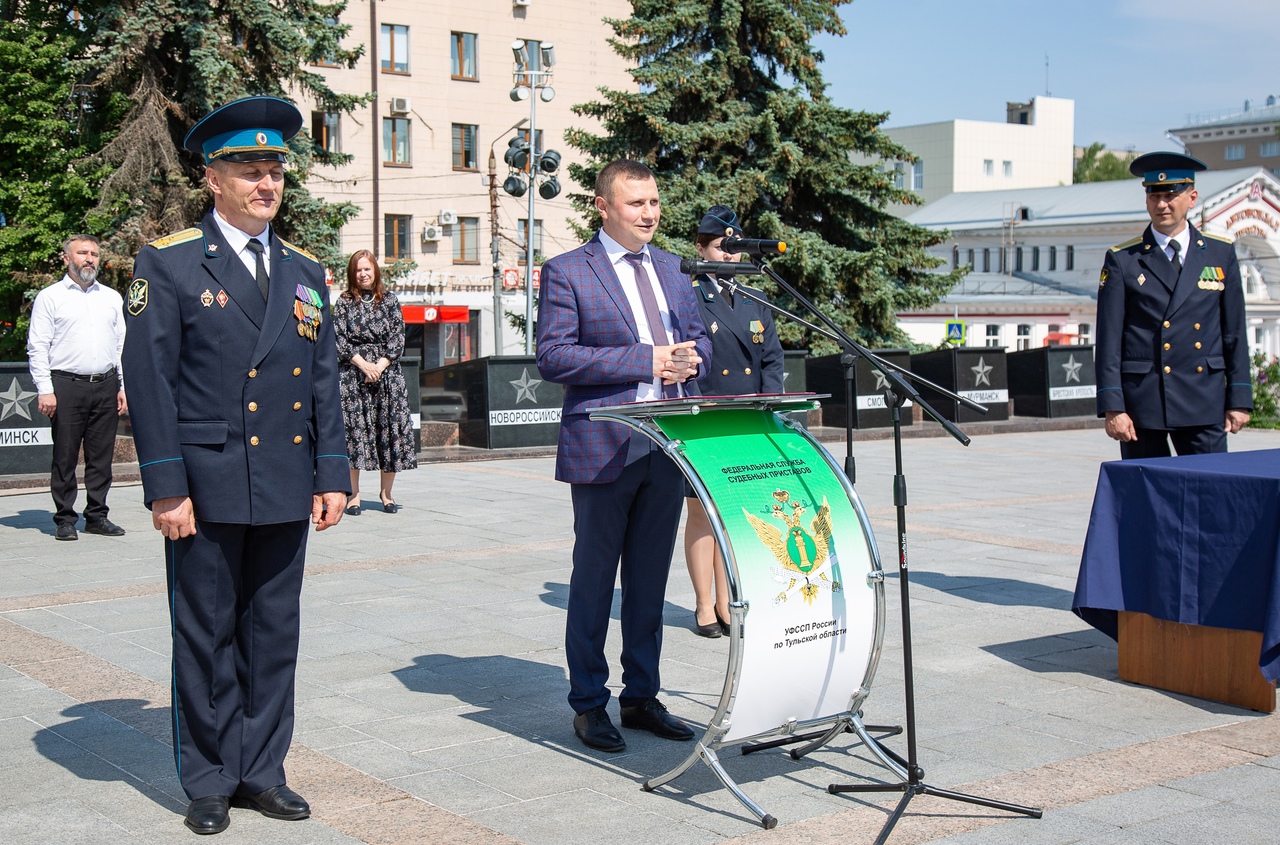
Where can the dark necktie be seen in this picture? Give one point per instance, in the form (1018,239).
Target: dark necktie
(652,314)
(726,293)
(1176,260)
(259,265)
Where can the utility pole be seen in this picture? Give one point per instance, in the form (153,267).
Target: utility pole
(496,249)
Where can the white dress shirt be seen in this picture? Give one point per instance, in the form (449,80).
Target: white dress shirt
(1183,238)
(238,241)
(646,391)
(76,330)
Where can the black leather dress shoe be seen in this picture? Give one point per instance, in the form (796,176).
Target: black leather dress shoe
(208,815)
(352,510)
(278,802)
(65,532)
(723,623)
(105,527)
(390,507)
(651,715)
(711,630)
(596,730)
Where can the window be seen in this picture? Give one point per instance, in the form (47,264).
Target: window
(1004,260)
(395,141)
(328,59)
(1053,258)
(1017,260)
(1269,149)
(898,181)
(955,258)
(1035,259)
(397,236)
(986,259)
(1083,331)
(464,146)
(971,264)
(324,131)
(988,167)
(535,53)
(993,335)
(463,51)
(395,48)
(917,176)
(1008,170)
(1071,258)
(537,239)
(466,241)
(1024,336)
(1233,152)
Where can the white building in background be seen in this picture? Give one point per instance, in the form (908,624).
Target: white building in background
(442,73)
(1033,148)
(1037,253)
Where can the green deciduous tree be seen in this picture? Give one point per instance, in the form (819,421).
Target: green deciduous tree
(1095,165)
(731,108)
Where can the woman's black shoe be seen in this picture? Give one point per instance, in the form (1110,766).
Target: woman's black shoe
(353,510)
(390,507)
(724,626)
(711,631)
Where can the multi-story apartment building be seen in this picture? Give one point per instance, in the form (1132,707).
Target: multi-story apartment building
(442,75)
(1249,137)
(1033,148)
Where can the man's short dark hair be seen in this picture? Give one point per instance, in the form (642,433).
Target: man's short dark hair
(623,168)
(66,245)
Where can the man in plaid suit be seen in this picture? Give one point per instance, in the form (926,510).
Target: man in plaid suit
(617,322)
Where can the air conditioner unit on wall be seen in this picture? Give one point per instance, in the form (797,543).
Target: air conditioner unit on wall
(431,233)
(519,2)
(448,217)
(400,105)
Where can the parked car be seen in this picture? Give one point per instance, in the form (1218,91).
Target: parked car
(446,407)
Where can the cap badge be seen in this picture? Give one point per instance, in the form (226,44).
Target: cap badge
(261,138)
(1160,177)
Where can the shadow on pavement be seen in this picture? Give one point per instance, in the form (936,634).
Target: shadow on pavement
(1007,592)
(30,520)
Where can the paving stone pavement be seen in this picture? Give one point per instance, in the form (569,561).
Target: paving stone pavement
(431,685)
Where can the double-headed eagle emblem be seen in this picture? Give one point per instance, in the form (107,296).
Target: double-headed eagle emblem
(804,555)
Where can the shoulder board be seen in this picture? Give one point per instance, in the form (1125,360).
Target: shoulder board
(1127,244)
(1218,238)
(298,250)
(177,238)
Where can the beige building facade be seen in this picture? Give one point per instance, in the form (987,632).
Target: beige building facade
(442,75)
(1033,148)
(1246,138)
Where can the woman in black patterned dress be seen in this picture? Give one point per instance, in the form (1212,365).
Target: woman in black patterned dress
(375,400)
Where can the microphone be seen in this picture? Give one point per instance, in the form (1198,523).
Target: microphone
(693,267)
(753,246)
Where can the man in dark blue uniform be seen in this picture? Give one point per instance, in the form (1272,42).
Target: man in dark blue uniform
(1172,358)
(237,420)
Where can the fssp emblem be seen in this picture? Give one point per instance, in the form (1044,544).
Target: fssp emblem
(137,297)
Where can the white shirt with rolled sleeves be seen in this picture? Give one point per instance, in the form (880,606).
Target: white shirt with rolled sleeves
(76,330)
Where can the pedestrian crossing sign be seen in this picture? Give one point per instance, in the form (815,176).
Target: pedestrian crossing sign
(955,332)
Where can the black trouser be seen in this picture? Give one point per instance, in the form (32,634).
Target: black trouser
(86,414)
(1195,440)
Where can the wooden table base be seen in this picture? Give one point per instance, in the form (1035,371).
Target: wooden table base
(1220,664)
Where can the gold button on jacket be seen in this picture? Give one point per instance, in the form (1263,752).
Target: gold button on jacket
(297,371)
(297,406)
(253,441)
(253,374)
(253,406)
(297,438)
(1168,369)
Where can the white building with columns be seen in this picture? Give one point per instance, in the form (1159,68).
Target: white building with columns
(1036,255)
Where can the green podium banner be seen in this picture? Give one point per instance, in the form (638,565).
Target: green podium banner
(805,561)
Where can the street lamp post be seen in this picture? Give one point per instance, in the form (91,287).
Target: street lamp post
(533,85)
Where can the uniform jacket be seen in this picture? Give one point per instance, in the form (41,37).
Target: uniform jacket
(742,364)
(1171,352)
(230,403)
(588,341)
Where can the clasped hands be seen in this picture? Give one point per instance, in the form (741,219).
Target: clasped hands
(677,363)
(372,372)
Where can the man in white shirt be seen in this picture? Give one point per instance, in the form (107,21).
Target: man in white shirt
(73,349)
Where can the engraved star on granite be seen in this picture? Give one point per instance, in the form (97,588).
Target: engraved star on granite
(16,402)
(981,373)
(1073,369)
(526,386)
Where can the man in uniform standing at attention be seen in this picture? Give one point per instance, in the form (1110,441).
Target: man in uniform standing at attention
(238,423)
(617,322)
(73,349)
(1172,357)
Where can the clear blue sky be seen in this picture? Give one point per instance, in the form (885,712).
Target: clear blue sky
(1135,68)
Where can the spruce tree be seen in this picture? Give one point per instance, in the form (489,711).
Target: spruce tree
(731,108)
(161,65)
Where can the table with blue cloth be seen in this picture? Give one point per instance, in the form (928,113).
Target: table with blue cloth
(1192,540)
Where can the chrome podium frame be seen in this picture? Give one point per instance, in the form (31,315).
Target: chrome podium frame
(639,417)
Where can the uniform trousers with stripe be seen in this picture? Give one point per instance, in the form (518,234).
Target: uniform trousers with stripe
(234,594)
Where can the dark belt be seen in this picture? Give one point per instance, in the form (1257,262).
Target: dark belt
(93,378)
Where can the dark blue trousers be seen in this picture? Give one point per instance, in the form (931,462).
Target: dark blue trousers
(234,593)
(630,521)
(1154,442)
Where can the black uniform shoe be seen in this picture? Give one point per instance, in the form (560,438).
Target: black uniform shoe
(105,527)
(278,802)
(711,630)
(208,815)
(66,531)
(596,730)
(651,715)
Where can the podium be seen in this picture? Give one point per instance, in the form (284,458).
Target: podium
(806,589)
